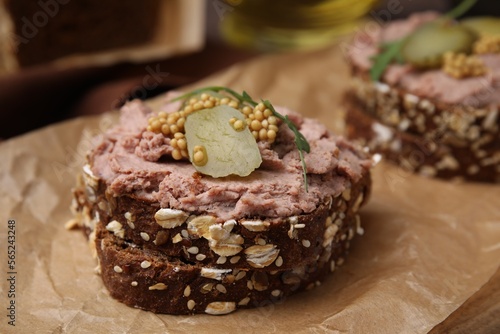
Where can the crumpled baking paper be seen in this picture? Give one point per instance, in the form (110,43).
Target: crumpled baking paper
(428,244)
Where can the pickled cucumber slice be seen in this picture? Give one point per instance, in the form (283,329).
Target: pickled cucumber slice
(227,151)
(483,25)
(426,46)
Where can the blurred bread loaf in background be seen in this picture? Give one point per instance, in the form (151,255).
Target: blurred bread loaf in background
(69,33)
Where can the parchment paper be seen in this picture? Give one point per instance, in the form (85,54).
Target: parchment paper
(428,244)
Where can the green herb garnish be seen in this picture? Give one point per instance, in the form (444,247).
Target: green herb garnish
(391,52)
(300,140)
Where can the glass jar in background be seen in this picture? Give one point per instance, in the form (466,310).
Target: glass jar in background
(282,25)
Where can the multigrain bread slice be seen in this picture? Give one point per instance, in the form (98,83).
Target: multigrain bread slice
(150,280)
(432,119)
(440,157)
(258,242)
(171,239)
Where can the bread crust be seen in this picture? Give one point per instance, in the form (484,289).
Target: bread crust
(295,240)
(441,157)
(428,118)
(150,280)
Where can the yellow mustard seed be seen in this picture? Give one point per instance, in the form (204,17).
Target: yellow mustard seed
(165,129)
(188,110)
(176,154)
(239,125)
(180,122)
(246,110)
(268,113)
(208,104)
(271,135)
(259,115)
(198,106)
(171,119)
(156,125)
(181,143)
(200,155)
(272,120)
(174,128)
(273,127)
(255,125)
(198,158)
(263,134)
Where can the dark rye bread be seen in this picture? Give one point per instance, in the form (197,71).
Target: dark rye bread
(441,157)
(171,240)
(256,242)
(48,30)
(150,280)
(426,117)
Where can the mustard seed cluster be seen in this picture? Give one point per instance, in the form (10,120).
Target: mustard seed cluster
(260,120)
(172,124)
(460,65)
(487,44)
(200,157)
(237,124)
(179,145)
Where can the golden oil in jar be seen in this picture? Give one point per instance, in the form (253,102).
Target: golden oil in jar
(275,25)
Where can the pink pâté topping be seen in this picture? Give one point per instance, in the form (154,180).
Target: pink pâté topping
(436,84)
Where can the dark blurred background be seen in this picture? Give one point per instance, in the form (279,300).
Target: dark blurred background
(40,93)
